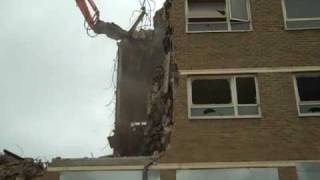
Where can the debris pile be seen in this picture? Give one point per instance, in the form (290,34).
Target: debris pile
(13,167)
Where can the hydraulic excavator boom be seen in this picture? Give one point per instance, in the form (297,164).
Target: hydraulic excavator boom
(91,14)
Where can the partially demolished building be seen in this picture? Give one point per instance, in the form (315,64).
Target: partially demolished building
(221,89)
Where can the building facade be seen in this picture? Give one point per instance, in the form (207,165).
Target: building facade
(247,105)
(249,88)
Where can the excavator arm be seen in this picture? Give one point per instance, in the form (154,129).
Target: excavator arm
(91,14)
(91,17)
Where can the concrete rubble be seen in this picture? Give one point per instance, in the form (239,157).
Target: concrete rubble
(160,102)
(13,167)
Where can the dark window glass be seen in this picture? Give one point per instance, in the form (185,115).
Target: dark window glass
(309,88)
(239,10)
(209,9)
(302,8)
(211,91)
(308,171)
(246,90)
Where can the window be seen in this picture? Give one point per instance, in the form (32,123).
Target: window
(217,15)
(301,14)
(229,174)
(110,175)
(308,171)
(223,97)
(308,94)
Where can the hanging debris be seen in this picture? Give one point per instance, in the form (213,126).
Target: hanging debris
(160,103)
(111,30)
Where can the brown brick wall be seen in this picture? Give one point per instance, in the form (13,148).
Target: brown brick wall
(279,135)
(168,175)
(268,45)
(287,173)
(50,176)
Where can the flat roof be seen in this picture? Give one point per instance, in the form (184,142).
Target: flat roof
(102,161)
(138,163)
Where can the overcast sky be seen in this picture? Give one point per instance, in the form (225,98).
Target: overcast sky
(54,80)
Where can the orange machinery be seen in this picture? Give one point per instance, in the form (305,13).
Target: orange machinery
(89,10)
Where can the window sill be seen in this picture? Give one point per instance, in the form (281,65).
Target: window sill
(221,31)
(301,29)
(309,115)
(225,117)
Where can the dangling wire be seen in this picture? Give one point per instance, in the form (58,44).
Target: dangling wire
(149,7)
(89,31)
(89,23)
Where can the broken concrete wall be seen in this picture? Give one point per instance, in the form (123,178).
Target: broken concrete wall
(136,63)
(160,120)
(145,90)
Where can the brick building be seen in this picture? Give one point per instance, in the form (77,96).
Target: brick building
(247,105)
(249,87)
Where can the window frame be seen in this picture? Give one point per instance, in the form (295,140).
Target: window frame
(240,173)
(234,98)
(228,19)
(286,19)
(297,95)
